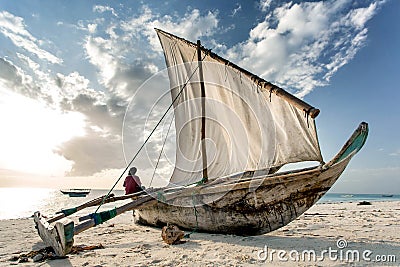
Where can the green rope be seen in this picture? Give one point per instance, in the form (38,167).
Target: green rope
(68,212)
(201,182)
(197,222)
(161,197)
(103,216)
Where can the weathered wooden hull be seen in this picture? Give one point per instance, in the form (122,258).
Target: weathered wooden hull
(277,201)
(254,206)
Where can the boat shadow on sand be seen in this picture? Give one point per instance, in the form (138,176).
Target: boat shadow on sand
(206,245)
(271,244)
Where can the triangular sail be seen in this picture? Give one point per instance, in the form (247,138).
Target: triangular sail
(250,124)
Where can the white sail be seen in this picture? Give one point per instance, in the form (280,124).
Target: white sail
(247,127)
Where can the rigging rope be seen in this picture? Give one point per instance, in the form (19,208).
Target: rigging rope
(195,214)
(162,149)
(148,138)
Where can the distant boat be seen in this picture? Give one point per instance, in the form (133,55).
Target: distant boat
(387,195)
(348,195)
(76,192)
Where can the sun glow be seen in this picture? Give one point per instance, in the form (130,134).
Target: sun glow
(25,201)
(30,132)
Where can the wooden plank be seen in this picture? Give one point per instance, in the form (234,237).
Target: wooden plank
(90,203)
(60,236)
(141,202)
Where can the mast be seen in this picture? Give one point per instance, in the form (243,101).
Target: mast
(203,113)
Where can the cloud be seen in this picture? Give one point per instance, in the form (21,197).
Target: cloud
(14,77)
(14,28)
(395,153)
(264,5)
(192,25)
(100,148)
(92,153)
(122,66)
(299,46)
(102,9)
(117,76)
(70,94)
(9,73)
(236,10)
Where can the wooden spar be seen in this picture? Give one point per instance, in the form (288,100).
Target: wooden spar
(90,203)
(130,206)
(60,235)
(109,199)
(95,202)
(114,199)
(265,85)
(203,113)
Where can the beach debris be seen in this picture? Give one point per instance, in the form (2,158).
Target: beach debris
(23,259)
(364,203)
(13,258)
(80,248)
(48,253)
(171,234)
(40,255)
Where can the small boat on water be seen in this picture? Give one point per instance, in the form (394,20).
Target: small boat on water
(347,195)
(75,192)
(385,195)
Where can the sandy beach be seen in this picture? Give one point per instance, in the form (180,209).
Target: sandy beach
(333,234)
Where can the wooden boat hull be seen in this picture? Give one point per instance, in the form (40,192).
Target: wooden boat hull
(254,206)
(244,211)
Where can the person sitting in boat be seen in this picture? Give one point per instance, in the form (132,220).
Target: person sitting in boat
(132,182)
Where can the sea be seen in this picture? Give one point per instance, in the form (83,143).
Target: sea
(16,203)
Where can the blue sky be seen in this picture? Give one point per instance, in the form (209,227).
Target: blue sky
(68,70)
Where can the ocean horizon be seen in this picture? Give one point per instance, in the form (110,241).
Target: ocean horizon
(17,203)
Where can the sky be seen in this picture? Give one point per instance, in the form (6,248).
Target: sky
(74,101)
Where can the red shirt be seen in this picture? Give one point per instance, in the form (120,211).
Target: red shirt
(132,184)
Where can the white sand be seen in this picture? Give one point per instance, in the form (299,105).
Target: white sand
(375,228)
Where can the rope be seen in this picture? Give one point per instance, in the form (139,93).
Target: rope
(201,182)
(68,212)
(197,222)
(162,149)
(103,216)
(161,197)
(148,138)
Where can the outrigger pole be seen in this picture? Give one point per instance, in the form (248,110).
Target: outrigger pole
(60,235)
(59,231)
